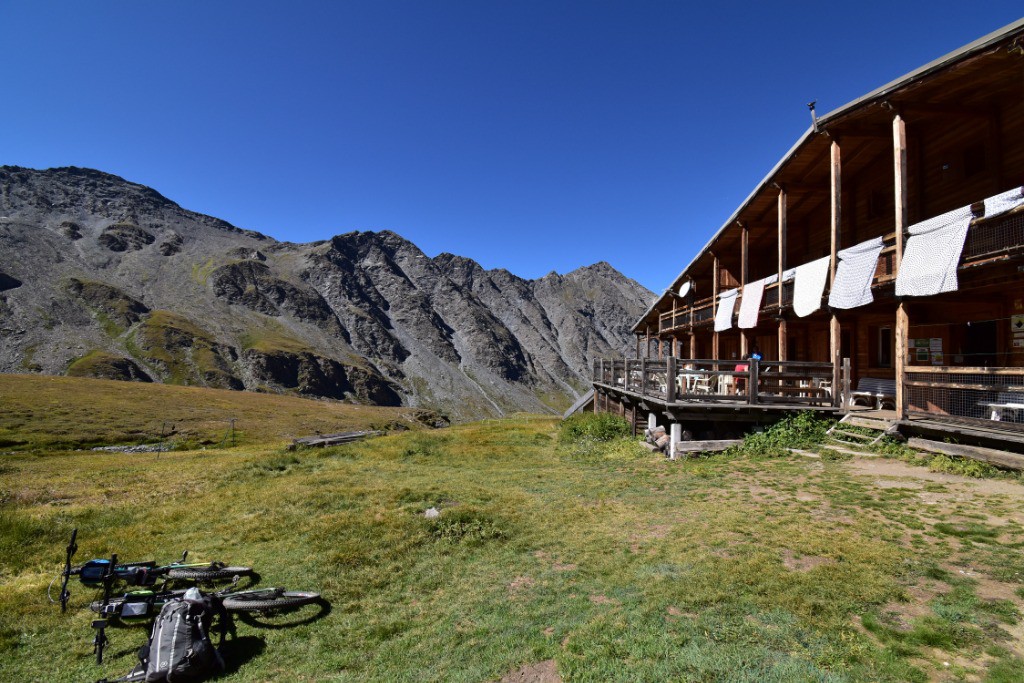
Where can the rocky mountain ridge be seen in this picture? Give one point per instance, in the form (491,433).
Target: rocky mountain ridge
(103,277)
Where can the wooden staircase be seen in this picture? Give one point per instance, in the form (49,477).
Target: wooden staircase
(872,430)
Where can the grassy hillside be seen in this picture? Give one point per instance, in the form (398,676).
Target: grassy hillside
(69,412)
(597,560)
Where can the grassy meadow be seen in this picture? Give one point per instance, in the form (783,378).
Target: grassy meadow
(593,559)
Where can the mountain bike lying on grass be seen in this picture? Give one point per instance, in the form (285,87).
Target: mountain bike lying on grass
(95,573)
(142,605)
(106,574)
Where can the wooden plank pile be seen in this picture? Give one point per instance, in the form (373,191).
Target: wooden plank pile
(321,440)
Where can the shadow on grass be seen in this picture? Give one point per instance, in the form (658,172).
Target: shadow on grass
(238,651)
(297,616)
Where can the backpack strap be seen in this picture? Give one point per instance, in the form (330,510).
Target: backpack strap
(134,676)
(225,624)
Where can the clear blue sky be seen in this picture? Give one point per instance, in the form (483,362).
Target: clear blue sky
(532,136)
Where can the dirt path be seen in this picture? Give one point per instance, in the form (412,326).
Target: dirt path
(889,473)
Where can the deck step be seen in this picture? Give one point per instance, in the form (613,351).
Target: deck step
(853,435)
(869,422)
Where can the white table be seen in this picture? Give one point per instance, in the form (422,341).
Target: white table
(998,408)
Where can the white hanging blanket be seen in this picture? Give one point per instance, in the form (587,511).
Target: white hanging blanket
(726,304)
(1002,203)
(932,254)
(810,283)
(856,268)
(750,304)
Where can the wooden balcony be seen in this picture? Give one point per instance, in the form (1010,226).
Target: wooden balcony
(686,384)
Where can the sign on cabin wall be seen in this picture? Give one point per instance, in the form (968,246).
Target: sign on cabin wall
(928,349)
(921,350)
(935,347)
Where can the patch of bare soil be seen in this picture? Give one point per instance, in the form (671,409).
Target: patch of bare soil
(603,600)
(539,672)
(884,469)
(555,563)
(900,615)
(803,563)
(520,583)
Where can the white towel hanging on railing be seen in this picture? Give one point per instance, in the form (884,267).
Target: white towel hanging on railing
(854,272)
(726,305)
(809,285)
(932,254)
(750,304)
(1002,203)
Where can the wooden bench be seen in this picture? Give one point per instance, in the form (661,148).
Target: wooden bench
(1007,401)
(882,392)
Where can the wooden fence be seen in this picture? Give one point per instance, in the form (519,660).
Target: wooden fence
(982,396)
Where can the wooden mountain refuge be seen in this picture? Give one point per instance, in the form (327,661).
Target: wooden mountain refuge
(878,265)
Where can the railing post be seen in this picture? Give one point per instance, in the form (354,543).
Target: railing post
(643,376)
(601,366)
(752,381)
(670,379)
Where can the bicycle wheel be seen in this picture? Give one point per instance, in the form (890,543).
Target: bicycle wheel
(207,573)
(268,599)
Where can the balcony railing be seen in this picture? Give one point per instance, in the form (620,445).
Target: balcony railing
(677,380)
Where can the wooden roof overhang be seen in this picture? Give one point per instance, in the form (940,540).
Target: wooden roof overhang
(962,85)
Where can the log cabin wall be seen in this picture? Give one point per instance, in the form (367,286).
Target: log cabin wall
(964,123)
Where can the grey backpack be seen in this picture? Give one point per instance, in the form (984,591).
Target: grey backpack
(180,647)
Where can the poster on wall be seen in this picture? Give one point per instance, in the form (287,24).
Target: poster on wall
(935,347)
(921,350)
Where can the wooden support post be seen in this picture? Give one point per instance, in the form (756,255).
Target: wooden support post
(714,306)
(837,211)
(670,379)
(638,345)
(744,274)
(899,158)
(781,242)
(783,340)
(643,377)
(752,381)
(835,335)
(597,400)
(693,345)
(899,140)
(902,327)
(845,394)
